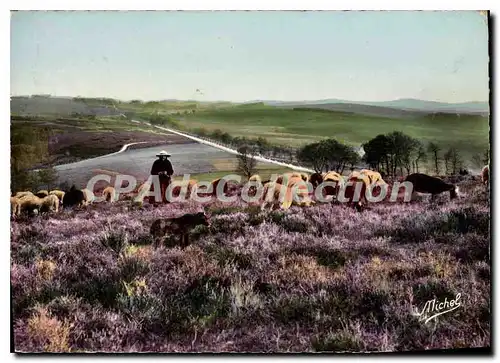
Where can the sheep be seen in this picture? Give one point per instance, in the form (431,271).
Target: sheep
(109,194)
(215,184)
(354,174)
(423,183)
(316,179)
(58,193)
(31,203)
(282,179)
(74,197)
(142,192)
(274,190)
(15,206)
(271,196)
(350,190)
(89,196)
(23,194)
(331,177)
(485,175)
(42,193)
(375,177)
(300,187)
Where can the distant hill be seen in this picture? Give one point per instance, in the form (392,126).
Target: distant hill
(402,108)
(421,106)
(56,106)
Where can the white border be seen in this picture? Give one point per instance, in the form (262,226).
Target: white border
(185,5)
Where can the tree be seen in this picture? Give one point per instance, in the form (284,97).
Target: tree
(353,158)
(377,153)
(246,161)
(314,155)
(455,161)
(226,138)
(421,156)
(262,145)
(434,149)
(29,148)
(392,152)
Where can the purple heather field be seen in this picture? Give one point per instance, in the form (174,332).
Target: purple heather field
(321,278)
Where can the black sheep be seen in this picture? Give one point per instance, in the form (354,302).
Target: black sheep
(73,197)
(423,183)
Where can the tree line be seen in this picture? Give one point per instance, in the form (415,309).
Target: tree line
(29,148)
(393,154)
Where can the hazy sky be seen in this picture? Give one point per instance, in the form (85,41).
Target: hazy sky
(241,56)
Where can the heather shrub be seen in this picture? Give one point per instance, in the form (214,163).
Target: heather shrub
(224,210)
(228,256)
(276,216)
(419,228)
(142,240)
(115,240)
(228,224)
(44,333)
(344,340)
(325,257)
(295,223)
(132,267)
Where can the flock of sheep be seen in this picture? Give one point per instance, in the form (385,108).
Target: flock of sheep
(27,202)
(277,194)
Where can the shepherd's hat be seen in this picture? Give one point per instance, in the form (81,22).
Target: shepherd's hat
(163,153)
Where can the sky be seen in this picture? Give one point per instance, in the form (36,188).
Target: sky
(252,55)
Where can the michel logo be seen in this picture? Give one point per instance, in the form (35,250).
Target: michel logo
(434,308)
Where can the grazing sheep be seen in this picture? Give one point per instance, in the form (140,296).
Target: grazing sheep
(58,193)
(316,179)
(89,196)
(74,197)
(271,196)
(273,191)
(350,190)
(42,193)
(485,175)
(23,194)
(282,179)
(375,177)
(15,206)
(334,177)
(109,194)
(142,193)
(423,183)
(354,174)
(215,184)
(31,203)
(50,202)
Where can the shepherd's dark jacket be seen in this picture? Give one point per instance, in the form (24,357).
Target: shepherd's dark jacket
(162,165)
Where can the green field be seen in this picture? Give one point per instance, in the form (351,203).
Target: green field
(468,133)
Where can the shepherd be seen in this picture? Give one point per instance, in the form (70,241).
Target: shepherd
(163,168)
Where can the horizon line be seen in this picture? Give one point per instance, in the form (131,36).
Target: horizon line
(246,101)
